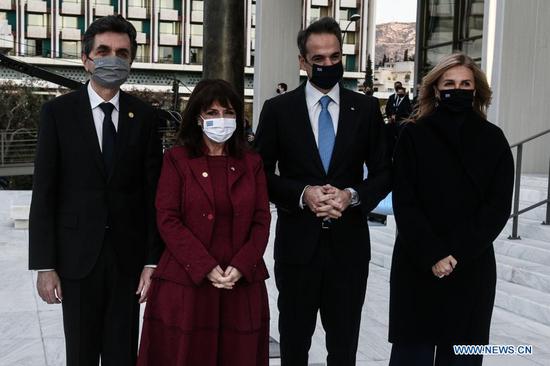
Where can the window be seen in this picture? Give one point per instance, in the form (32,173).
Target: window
(142,53)
(349,37)
(37,20)
(168,28)
(137,3)
(196,30)
(102,2)
(166,54)
(69,22)
(449,25)
(196,55)
(34,47)
(72,1)
(138,24)
(317,13)
(71,49)
(167,4)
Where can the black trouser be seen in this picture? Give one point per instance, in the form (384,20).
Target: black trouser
(423,355)
(101,315)
(336,290)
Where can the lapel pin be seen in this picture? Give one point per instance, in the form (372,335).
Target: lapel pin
(205,174)
(130,114)
(352,108)
(232,168)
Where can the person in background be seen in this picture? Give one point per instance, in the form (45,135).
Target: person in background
(402,106)
(248,132)
(282,88)
(208,301)
(368,91)
(92,230)
(453,180)
(390,104)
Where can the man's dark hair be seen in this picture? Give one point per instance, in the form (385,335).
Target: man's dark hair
(111,23)
(397,83)
(205,93)
(283,86)
(324,25)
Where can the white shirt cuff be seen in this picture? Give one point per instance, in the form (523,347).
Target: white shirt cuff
(301,203)
(150,266)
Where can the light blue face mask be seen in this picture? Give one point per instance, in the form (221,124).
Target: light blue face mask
(110,71)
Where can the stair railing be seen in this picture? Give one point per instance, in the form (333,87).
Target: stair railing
(517,185)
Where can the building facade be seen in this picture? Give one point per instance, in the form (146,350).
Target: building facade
(170,36)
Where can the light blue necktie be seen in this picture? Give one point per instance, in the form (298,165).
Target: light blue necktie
(326,133)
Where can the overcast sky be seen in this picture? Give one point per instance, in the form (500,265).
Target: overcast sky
(395,11)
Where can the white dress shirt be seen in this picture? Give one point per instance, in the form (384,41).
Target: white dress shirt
(313,96)
(97,112)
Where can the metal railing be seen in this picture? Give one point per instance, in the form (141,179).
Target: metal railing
(517,186)
(18,147)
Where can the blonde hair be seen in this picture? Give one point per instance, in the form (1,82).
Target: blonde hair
(427,100)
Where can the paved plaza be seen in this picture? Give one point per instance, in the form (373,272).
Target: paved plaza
(31,332)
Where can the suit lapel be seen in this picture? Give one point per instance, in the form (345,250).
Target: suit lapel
(199,168)
(347,125)
(85,117)
(303,128)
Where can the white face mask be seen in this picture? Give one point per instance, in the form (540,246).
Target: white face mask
(219,129)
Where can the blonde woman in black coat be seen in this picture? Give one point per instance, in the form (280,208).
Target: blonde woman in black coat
(452,197)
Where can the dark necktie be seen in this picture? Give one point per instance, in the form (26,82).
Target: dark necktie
(109,136)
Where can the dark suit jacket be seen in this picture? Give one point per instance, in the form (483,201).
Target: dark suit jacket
(186,217)
(74,200)
(402,111)
(284,137)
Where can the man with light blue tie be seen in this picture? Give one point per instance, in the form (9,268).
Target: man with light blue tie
(319,136)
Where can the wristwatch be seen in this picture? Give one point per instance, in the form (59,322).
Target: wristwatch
(354,196)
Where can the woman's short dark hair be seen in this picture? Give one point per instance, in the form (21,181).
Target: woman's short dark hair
(323,25)
(111,23)
(203,96)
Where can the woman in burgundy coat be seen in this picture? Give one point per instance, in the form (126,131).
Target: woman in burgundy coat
(208,302)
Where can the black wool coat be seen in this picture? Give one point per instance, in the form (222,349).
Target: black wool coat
(452,195)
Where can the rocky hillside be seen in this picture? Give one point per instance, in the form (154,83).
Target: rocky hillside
(392,39)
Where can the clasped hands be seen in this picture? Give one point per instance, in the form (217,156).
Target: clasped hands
(224,279)
(327,201)
(444,267)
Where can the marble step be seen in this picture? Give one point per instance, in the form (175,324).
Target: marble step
(526,249)
(533,194)
(537,214)
(529,228)
(524,301)
(534,180)
(525,273)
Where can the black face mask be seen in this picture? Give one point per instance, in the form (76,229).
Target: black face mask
(325,77)
(457,100)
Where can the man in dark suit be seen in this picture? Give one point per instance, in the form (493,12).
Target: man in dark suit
(391,106)
(92,234)
(319,135)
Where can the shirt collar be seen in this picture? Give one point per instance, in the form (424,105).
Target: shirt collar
(313,94)
(96,100)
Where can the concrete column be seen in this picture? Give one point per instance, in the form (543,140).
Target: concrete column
(276,60)
(518,73)
(223,56)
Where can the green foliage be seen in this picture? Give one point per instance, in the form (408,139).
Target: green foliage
(369,75)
